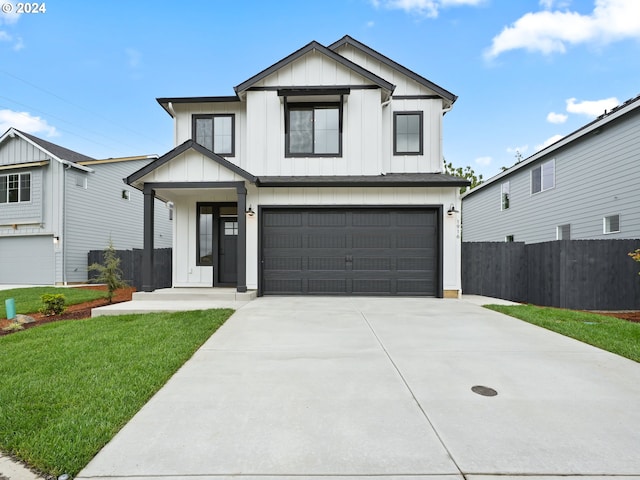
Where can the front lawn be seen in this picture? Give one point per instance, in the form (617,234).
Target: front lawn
(28,299)
(66,388)
(609,333)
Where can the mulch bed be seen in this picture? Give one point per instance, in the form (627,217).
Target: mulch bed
(75,312)
(630,315)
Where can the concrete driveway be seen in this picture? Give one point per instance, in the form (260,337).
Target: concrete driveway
(381,388)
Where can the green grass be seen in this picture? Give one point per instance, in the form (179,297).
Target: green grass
(67,387)
(612,334)
(28,299)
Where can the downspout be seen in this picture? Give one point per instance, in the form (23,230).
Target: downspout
(175,121)
(382,169)
(63,238)
(444,112)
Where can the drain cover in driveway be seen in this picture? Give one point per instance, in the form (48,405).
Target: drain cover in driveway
(484,391)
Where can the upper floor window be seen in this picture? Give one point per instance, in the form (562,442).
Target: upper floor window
(505,198)
(215,132)
(313,129)
(15,188)
(543,177)
(407,133)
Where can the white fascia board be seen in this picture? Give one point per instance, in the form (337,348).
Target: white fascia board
(13,132)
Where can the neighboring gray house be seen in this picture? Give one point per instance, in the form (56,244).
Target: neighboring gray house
(56,205)
(584,186)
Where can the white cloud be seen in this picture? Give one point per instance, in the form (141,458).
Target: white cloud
(26,122)
(370,24)
(548,142)
(554,117)
(591,108)
(19,45)
(549,4)
(552,31)
(515,150)
(484,161)
(133,57)
(427,8)
(10,19)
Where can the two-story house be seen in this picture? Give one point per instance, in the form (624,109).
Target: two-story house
(321,175)
(584,186)
(56,205)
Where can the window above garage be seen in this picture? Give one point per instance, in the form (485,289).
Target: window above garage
(15,188)
(313,121)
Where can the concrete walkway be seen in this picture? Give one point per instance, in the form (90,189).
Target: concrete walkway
(348,388)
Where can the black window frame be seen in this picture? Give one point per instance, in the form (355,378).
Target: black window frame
(420,150)
(212,117)
(293,106)
(200,205)
(21,190)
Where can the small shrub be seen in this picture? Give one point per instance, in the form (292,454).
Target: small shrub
(13,327)
(636,256)
(52,304)
(109,272)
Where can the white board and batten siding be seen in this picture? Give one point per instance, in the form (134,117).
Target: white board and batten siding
(595,177)
(367,138)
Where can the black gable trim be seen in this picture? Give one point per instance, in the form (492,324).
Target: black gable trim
(347,40)
(324,50)
(189,144)
(298,92)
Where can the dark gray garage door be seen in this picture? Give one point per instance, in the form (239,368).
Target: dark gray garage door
(354,251)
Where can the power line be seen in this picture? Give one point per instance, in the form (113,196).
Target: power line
(37,87)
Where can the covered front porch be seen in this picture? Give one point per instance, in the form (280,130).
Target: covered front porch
(210,232)
(209,197)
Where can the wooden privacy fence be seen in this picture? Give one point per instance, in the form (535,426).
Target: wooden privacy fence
(575,274)
(131,266)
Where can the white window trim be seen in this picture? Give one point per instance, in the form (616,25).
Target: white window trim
(559,229)
(20,201)
(604,224)
(502,192)
(540,166)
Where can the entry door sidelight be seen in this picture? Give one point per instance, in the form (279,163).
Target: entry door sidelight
(228,250)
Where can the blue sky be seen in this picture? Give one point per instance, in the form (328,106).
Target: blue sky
(86,75)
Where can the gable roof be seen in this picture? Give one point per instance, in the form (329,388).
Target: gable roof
(58,153)
(347,40)
(311,46)
(627,107)
(189,144)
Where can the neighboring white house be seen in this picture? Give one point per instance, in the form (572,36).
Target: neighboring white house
(584,186)
(323,174)
(56,205)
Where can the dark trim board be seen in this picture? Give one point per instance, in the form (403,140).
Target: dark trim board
(434,273)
